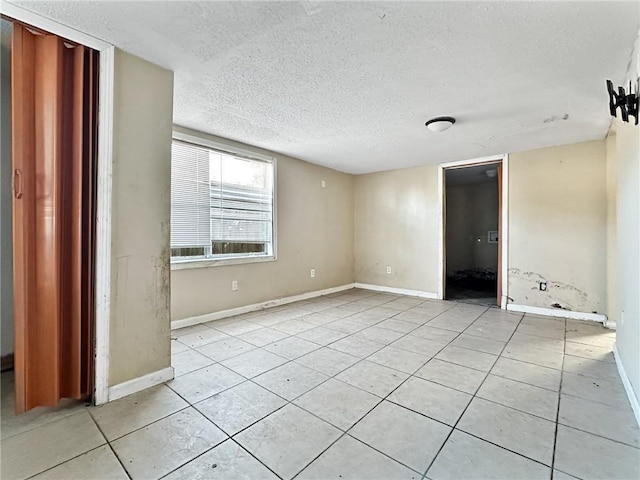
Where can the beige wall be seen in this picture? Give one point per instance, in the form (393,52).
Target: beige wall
(472,210)
(557,227)
(314,230)
(140,324)
(628,240)
(612,294)
(397,225)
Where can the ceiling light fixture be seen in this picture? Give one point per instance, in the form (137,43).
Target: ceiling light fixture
(440,124)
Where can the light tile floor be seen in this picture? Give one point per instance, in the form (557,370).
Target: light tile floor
(358,385)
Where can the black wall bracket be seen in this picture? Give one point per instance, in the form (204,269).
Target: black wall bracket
(627,102)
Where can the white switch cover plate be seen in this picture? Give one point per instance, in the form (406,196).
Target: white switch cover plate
(313,272)
(234,285)
(388,270)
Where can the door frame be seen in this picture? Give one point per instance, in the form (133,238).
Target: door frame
(504,222)
(104,190)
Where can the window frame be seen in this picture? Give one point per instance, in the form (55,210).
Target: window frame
(203,140)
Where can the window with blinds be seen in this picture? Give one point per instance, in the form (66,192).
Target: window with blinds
(221,204)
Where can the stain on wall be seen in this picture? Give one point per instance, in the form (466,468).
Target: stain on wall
(557,227)
(140,309)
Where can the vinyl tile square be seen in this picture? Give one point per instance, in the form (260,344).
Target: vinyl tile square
(530,373)
(287,440)
(537,356)
(127,414)
(224,349)
(451,375)
(396,325)
(610,392)
(521,396)
(203,383)
(321,335)
(293,327)
(589,368)
(338,403)
(435,401)
(262,336)
(467,358)
(406,436)
(418,345)
(542,328)
(290,380)
(489,331)
(606,421)
(379,335)
(237,327)
(581,455)
(480,344)
(202,337)
(327,361)
(55,442)
(254,362)
(98,463)
(230,460)
(358,347)
(373,378)
(166,444)
(347,325)
(349,459)
(538,343)
(589,351)
(465,457)
(520,432)
(188,361)
(240,406)
(399,359)
(292,347)
(435,334)
(177,347)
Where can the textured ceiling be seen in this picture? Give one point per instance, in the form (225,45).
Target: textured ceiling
(349,85)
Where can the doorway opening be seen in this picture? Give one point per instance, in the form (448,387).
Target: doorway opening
(472,227)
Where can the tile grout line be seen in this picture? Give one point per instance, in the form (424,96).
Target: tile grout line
(382,319)
(115,454)
(555,434)
(382,347)
(231,437)
(424,476)
(346,432)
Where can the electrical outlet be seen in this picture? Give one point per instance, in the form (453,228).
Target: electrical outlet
(234,285)
(543,286)
(324,185)
(388,270)
(313,272)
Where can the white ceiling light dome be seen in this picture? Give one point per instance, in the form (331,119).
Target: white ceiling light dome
(440,124)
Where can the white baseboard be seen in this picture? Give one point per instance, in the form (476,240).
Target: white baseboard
(207,317)
(141,383)
(399,291)
(557,312)
(633,399)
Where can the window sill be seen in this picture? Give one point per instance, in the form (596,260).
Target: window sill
(218,262)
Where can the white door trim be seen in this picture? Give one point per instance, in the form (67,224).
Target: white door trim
(104,193)
(505,219)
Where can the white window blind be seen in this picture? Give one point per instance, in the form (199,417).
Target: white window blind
(190,196)
(220,199)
